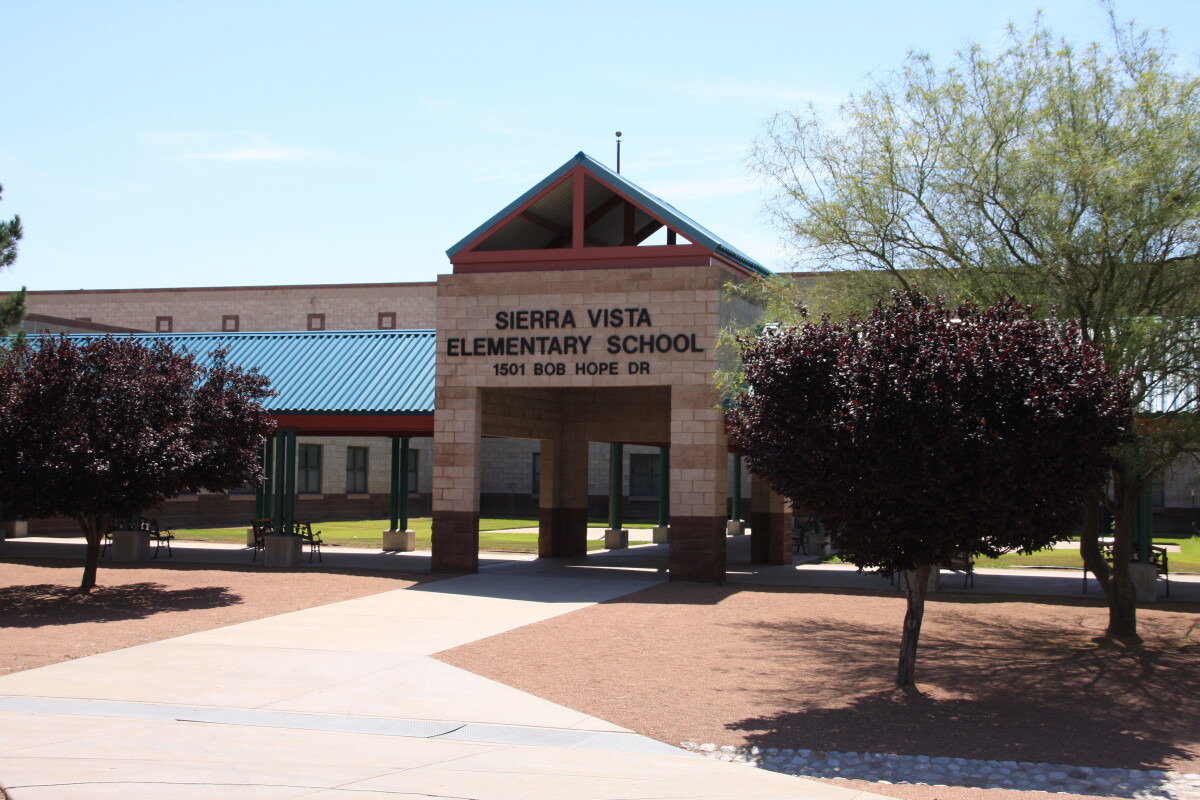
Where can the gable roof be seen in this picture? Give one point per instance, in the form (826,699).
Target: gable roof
(542,217)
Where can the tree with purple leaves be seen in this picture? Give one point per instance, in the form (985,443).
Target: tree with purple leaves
(103,429)
(922,433)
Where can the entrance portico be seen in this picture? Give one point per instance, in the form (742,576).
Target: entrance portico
(562,323)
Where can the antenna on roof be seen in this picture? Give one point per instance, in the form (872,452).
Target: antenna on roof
(618,152)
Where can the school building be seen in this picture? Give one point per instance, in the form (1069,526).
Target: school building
(576,332)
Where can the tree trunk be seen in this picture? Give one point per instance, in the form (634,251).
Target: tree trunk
(1089,546)
(93,531)
(1122,597)
(916,586)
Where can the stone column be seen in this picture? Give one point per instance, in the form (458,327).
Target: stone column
(456,446)
(770,525)
(562,513)
(699,485)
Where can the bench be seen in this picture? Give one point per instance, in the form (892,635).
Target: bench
(158,536)
(313,540)
(262,529)
(964,563)
(1158,558)
(801,530)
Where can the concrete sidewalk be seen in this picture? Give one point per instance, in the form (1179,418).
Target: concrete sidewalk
(344,701)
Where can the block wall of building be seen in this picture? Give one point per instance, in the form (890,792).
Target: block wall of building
(250,308)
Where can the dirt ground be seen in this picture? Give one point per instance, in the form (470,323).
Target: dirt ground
(1022,679)
(1009,678)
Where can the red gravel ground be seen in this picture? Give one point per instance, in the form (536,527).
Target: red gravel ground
(1026,679)
(1014,678)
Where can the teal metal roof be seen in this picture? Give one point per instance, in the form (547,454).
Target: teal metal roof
(314,372)
(666,212)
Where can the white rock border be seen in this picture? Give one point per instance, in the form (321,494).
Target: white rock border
(889,768)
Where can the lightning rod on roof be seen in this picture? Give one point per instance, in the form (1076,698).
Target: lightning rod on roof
(618,152)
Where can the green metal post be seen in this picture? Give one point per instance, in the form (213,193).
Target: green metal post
(616,453)
(403,483)
(280,482)
(267,509)
(735,502)
(664,486)
(289,505)
(395,485)
(1143,524)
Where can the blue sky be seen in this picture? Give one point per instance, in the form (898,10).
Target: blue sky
(250,143)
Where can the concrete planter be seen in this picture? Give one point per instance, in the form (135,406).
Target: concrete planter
(616,540)
(130,546)
(1145,582)
(282,550)
(402,541)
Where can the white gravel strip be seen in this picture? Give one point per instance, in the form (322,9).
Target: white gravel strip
(943,771)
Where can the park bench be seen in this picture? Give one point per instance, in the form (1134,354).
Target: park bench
(313,540)
(964,563)
(262,528)
(1158,557)
(158,536)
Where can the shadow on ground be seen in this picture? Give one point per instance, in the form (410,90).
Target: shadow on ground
(1020,687)
(35,606)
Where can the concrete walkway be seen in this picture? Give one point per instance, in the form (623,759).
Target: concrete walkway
(344,701)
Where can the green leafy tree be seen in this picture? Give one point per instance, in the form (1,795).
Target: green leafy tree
(99,430)
(922,434)
(12,308)
(1067,177)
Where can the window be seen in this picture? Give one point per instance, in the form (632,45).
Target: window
(356,470)
(316,322)
(231,323)
(537,475)
(412,471)
(387,320)
(643,474)
(308,469)
(164,324)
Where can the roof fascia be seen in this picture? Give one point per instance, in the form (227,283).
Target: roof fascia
(514,208)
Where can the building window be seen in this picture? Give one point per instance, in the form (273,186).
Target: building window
(231,323)
(387,320)
(413,471)
(356,470)
(536,475)
(643,474)
(316,322)
(164,324)
(308,469)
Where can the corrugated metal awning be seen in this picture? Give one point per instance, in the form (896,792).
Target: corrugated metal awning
(327,372)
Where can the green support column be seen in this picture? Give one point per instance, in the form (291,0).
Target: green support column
(394,519)
(279,482)
(263,495)
(1143,524)
(735,502)
(289,505)
(664,486)
(616,454)
(403,484)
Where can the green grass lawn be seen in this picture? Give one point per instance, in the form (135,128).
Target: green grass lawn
(1187,560)
(369,534)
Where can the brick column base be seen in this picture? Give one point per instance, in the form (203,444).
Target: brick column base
(455,541)
(697,549)
(562,532)
(770,537)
